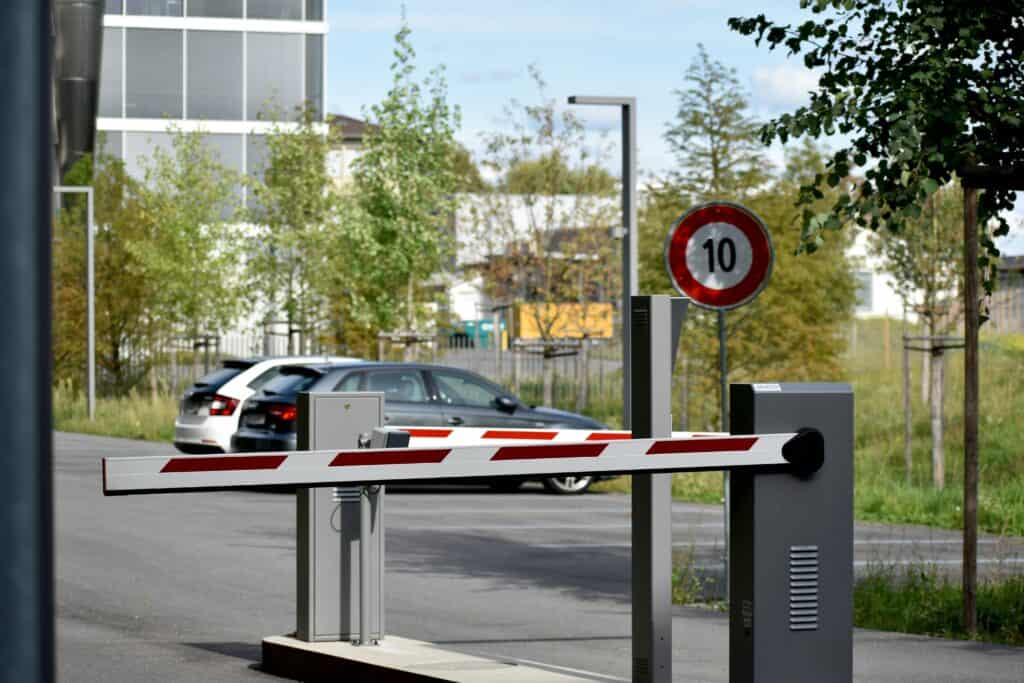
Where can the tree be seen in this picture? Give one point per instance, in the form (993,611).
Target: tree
(924,90)
(762,337)
(713,137)
(128,323)
(542,236)
(192,252)
(467,173)
(405,182)
(922,259)
(293,216)
(552,174)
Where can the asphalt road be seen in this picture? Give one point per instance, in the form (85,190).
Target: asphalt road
(182,587)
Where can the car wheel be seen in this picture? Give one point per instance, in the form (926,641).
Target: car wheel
(568,486)
(506,485)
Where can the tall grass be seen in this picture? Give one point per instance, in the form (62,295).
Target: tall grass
(882,493)
(133,416)
(919,600)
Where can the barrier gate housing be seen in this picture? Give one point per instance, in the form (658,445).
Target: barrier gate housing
(790,452)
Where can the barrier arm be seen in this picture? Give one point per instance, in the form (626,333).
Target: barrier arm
(803,451)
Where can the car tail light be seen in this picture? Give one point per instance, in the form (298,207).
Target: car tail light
(223,405)
(283,412)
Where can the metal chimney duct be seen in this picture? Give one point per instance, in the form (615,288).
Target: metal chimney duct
(79,38)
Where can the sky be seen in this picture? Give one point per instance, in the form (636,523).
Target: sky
(640,48)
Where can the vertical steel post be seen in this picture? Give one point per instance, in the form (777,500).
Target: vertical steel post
(630,241)
(26,187)
(723,394)
(365,512)
(90,297)
(651,501)
(630,238)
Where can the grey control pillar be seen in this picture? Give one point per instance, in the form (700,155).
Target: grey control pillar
(651,359)
(791,548)
(332,523)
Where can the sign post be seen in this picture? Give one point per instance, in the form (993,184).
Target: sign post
(720,256)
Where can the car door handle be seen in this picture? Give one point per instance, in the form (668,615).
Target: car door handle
(455,421)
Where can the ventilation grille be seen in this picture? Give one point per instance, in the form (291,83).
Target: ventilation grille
(344,494)
(803,588)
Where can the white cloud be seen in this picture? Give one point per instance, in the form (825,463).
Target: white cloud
(783,85)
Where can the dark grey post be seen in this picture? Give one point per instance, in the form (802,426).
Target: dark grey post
(26,186)
(791,585)
(630,238)
(651,358)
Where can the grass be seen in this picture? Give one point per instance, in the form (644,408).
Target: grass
(133,417)
(882,493)
(921,601)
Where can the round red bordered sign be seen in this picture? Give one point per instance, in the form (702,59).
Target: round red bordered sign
(719,255)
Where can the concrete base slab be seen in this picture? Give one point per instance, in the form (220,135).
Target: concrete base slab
(394,659)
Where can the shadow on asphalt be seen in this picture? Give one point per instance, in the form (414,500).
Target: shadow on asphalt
(600,574)
(252,652)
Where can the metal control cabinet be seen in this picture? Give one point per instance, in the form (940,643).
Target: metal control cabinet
(328,523)
(791,546)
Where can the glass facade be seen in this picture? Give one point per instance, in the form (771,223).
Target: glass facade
(230,9)
(112,87)
(155,8)
(315,73)
(214,75)
(228,73)
(273,77)
(275,9)
(139,148)
(153,73)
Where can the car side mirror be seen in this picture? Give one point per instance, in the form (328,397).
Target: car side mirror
(506,404)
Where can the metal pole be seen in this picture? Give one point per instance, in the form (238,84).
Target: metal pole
(630,239)
(971,393)
(365,511)
(90,293)
(723,370)
(90,289)
(26,188)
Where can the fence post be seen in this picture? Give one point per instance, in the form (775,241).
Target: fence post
(583,384)
(516,369)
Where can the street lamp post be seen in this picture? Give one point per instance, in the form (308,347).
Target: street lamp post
(90,289)
(629,236)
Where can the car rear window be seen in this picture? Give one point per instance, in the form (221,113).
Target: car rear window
(289,384)
(216,379)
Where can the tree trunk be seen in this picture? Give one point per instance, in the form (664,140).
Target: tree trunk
(549,380)
(583,387)
(926,366)
(938,457)
(971,322)
(684,397)
(907,427)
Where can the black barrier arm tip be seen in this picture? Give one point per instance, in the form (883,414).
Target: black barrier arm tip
(805,451)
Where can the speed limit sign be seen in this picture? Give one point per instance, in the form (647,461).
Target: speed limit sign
(719,255)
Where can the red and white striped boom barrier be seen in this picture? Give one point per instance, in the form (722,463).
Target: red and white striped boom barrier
(514,453)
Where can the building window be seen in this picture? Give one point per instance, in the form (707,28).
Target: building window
(154,74)
(214,75)
(111,85)
(139,149)
(315,74)
(227,151)
(255,164)
(275,9)
(113,7)
(215,8)
(314,10)
(108,142)
(273,78)
(865,293)
(155,8)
